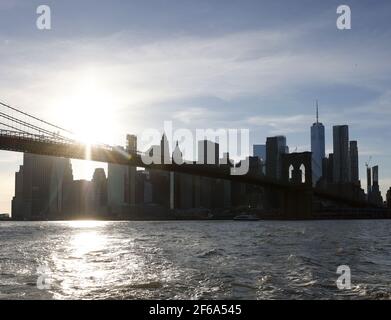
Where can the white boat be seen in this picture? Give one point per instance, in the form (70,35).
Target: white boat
(246,217)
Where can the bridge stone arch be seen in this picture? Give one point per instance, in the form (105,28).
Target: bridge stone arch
(299,161)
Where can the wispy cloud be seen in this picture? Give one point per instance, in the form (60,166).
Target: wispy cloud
(227,66)
(282,124)
(188,115)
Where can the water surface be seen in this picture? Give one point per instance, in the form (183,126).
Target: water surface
(194,260)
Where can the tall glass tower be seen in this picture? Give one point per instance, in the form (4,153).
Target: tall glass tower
(317,147)
(341,167)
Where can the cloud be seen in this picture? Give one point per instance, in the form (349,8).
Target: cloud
(282,124)
(380,106)
(226,66)
(139,75)
(188,115)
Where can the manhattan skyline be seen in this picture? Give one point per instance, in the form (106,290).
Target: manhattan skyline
(216,70)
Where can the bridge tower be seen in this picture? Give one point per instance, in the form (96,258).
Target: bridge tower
(296,202)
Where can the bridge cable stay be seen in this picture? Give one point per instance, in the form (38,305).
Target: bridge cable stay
(52,134)
(12,127)
(35,118)
(23,123)
(41,131)
(34,127)
(30,126)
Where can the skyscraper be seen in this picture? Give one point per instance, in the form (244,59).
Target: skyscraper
(275,147)
(208,152)
(117,180)
(327,169)
(60,187)
(259,150)
(159,179)
(181,185)
(42,187)
(130,185)
(83,200)
(354,170)
(317,147)
(369,181)
(375,196)
(341,173)
(99,185)
(17,201)
(375,176)
(164,150)
(131,141)
(175,193)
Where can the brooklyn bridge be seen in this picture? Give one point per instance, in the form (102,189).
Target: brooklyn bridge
(294,196)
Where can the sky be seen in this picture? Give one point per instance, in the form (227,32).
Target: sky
(108,68)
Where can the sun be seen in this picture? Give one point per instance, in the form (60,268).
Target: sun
(87,109)
(92,107)
(86,106)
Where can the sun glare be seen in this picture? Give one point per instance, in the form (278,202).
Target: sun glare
(86,105)
(88,109)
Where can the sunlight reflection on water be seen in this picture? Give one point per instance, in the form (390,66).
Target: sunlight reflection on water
(194,260)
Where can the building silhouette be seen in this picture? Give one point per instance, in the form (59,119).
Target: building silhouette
(45,189)
(130,184)
(253,195)
(327,170)
(275,148)
(117,187)
(340,172)
(389,198)
(341,160)
(208,152)
(259,150)
(42,188)
(317,147)
(181,185)
(159,179)
(99,186)
(354,165)
(204,187)
(369,182)
(83,203)
(164,150)
(374,196)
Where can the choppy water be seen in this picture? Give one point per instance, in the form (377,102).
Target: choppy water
(194,260)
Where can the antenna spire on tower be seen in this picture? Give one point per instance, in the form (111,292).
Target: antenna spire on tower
(317,112)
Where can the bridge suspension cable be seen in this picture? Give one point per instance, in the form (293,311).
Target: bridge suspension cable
(29,125)
(29,128)
(35,118)
(36,126)
(12,127)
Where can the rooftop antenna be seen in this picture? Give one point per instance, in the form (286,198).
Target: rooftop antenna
(317,112)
